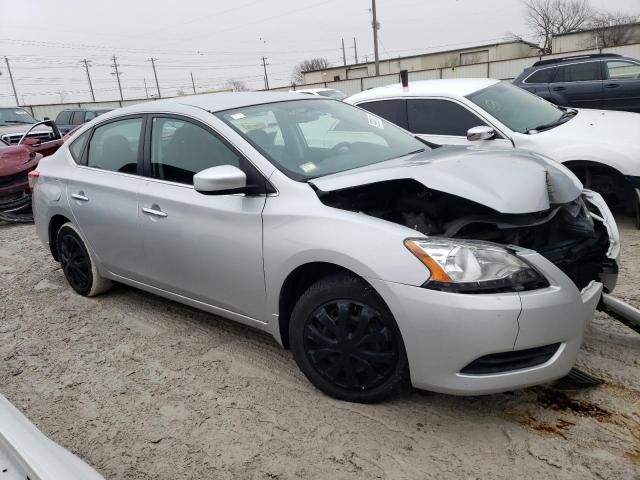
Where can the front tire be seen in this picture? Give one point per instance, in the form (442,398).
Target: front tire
(78,264)
(346,341)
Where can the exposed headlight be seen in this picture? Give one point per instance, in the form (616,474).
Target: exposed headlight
(470,266)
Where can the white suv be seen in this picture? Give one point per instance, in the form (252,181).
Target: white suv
(600,147)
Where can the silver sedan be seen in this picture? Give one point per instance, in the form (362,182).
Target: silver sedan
(376,259)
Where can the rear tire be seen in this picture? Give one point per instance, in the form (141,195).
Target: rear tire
(78,264)
(346,341)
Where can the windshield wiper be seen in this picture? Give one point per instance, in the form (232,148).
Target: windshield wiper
(16,121)
(567,114)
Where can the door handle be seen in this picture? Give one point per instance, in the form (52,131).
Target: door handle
(611,85)
(558,89)
(153,211)
(80,196)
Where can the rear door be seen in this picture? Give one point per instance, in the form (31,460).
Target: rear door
(204,247)
(622,85)
(102,192)
(578,85)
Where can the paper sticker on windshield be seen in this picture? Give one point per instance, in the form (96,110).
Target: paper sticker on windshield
(308,167)
(20,112)
(238,116)
(375,121)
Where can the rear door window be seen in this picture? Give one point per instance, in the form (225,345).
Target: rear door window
(394,111)
(115,146)
(89,115)
(579,72)
(440,117)
(64,118)
(78,118)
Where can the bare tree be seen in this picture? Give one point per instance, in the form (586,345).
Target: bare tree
(613,28)
(237,85)
(307,66)
(552,17)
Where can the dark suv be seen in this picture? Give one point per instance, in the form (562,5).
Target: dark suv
(605,81)
(70,118)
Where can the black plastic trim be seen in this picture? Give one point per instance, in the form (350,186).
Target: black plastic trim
(510,361)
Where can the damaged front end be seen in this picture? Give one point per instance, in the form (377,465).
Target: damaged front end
(578,236)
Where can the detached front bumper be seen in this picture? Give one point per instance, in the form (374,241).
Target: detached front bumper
(446,333)
(14,195)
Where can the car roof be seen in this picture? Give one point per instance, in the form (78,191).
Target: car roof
(212,102)
(313,90)
(453,87)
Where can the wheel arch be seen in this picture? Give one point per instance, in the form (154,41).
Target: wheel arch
(54,225)
(297,282)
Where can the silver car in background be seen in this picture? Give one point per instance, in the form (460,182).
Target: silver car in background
(375,259)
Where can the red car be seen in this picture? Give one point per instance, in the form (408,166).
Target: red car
(16,161)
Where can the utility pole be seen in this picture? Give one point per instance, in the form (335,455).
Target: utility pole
(344,55)
(355,49)
(375,36)
(193,84)
(155,74)
(266,78)
(116,72)
(86,67)
(146,91)
(13,85)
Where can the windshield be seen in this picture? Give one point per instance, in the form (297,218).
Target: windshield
(337,94)
(518,109)
(311,138)
(15,115)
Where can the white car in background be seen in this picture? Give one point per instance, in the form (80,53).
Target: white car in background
(322,92)
(601,147)
(25,453)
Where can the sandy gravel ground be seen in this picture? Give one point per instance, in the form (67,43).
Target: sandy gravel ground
(144,388)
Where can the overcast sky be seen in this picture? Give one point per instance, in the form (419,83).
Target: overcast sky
(220,40)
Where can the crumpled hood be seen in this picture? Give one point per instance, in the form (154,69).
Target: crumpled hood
(507,181)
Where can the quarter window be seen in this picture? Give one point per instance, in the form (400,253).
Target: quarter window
(618,70)
(541,76)
(77,146)
(579,72)
(180,149)
(393,110)
(115,146)
(440,117)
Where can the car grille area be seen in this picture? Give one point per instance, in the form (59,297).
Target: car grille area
(510,361)
(14,138)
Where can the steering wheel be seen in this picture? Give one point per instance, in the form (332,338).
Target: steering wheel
(342,147)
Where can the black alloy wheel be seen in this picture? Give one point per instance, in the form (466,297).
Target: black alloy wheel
(74,260)
(350,345)
(345,340)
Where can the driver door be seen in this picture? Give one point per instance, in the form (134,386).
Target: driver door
(446,122)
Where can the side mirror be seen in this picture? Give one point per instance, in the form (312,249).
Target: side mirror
(221,180)
(480,133)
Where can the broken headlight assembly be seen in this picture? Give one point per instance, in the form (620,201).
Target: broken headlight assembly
(469,266)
